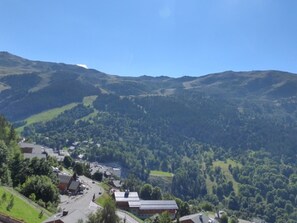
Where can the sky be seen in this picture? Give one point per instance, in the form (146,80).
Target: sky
(154,37)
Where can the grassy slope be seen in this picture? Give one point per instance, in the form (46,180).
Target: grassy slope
(227,173)
(22,209)
(161,179)
(88,102)
(46,115)
(158,173)
(101,199)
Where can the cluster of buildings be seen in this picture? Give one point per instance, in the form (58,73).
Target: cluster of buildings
(130,201)
(144,209)
(108,170)
(31,150)
(67,184)
(197,218)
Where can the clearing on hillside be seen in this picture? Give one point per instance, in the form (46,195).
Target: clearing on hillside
(46,115)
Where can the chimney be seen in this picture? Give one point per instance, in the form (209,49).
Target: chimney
(126,193)
(201,218)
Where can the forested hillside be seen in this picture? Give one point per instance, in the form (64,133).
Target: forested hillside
(209,131)
(29,177)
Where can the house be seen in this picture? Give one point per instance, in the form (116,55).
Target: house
(64,182)
(122,199)
(148,208)
(197,218)
(116,183)
(67,182)
(33,155)
(32,150)
(116,172)
(130,201)
(74,187)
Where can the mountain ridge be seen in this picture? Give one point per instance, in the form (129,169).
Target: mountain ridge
(229,138)
(228,101)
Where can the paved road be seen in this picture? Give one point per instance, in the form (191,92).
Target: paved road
(126,217)
(84,202)
(81,202)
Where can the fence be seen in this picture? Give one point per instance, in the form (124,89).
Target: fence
(7,219)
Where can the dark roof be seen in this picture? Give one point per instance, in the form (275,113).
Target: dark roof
(74,185)
(196,218)
(33,155)
(120,197)
(64,178)
(35,148)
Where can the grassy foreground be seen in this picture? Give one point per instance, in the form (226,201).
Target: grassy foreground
(21,208)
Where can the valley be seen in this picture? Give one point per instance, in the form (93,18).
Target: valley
(220,141)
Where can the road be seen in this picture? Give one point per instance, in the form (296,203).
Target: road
(122,215)
(81,202)
(84,202)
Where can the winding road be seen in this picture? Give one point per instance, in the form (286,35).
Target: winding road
(84,203)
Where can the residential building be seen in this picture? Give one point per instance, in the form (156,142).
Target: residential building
(147,208)
(197,218)
(122,199)
(130,201)
(64,182)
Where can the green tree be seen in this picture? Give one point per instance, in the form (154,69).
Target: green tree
(68,161)
(4,170)
(105,215)
(10,204)
(224,219)
(164,217)
(79,168)
(42,187)
(156,194)
(97,176)
(146,192)
(233,219)
(184,209)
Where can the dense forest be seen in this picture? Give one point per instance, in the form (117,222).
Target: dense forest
(249,183)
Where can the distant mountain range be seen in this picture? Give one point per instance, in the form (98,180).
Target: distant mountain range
(256,109)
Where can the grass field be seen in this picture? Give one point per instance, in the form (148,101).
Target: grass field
(227,173)
(21,209)
(88,101)
(101,200)
(46,115)
(157,173)
(161,179)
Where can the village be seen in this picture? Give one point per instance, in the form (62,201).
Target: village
(78,193)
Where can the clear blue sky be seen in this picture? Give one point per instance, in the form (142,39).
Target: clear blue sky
(154,37)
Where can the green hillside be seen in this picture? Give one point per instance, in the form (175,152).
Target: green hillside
(228,138)
(22,209)
(45,116)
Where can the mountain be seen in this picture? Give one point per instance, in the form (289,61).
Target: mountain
(253,110)
(229,139)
